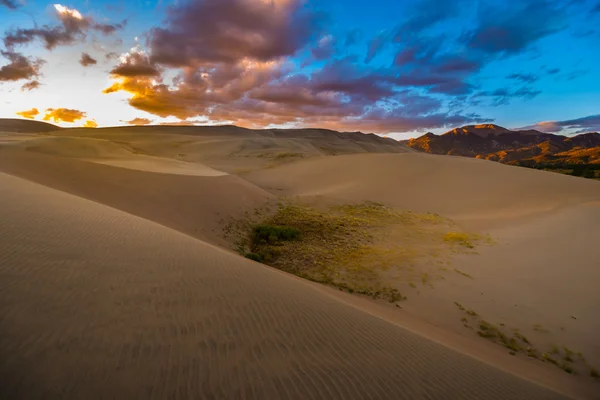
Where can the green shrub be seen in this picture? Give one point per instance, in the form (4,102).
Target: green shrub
(255,257)
(273,234)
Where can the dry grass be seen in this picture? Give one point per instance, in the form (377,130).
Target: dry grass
(518,343)
(364,248)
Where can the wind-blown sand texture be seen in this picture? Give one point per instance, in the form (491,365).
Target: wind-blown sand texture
(98,303)
(113,284)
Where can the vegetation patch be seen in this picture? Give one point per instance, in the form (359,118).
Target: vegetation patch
(517,343)
(366,248)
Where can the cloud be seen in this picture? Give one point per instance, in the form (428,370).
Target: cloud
(31,85)
(19,67)
(514,27)
(12,4)
(503,96)
(522,77)
(139,121)
(590,123)
(353,37)
(180,123)
(87,60)
(376,44)
(225,31)
(544,126)
(135,64)
(63,115)
(325,48)
(90,123)
(240,71)
(30,114)
(73,27)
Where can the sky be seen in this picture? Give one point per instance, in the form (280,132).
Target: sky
(394,67)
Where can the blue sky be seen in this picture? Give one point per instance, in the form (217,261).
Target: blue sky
(394,67)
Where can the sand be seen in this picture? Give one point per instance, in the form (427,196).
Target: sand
(98,303)
(115,280)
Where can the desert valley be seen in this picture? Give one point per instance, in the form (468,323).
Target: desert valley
(167,261)
(300,199)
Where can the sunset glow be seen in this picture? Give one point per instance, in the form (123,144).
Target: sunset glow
(398,68)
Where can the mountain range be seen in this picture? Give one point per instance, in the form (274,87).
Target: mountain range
(528,148)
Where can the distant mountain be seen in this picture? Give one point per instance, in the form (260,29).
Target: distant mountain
(528,147)
(25,126)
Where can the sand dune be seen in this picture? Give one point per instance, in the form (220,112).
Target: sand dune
(98,303)
(25,126)
(195,205)
(102,297)
(543,268)
(469,190)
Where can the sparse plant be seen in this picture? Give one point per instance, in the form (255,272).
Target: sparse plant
(462,273)
(567,368)
(472,313)
(460,238)
(522,338)
(548,357)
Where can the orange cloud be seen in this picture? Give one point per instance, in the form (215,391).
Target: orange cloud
(63,115)
(90,123)
(28,113)
(139,121)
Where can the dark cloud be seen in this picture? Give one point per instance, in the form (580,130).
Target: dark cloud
(553,71)
(215,31)
(87,60)
(63,115)
(515,26)
(347,77)
(376,44)
(136,64)
(237,71)
(12,4)
(572,75)
(503,96)
(31,85)
(353,37)
(590,123)
(522,77)
(19,67)
(394,121)
(584,124)
(74,27)
(111,56)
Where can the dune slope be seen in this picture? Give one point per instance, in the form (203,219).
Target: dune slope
(97,303)
(469,190)
(195,205)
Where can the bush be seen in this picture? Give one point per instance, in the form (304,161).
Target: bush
(255,257)
(272,234)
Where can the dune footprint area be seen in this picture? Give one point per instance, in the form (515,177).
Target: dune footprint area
(220,262)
